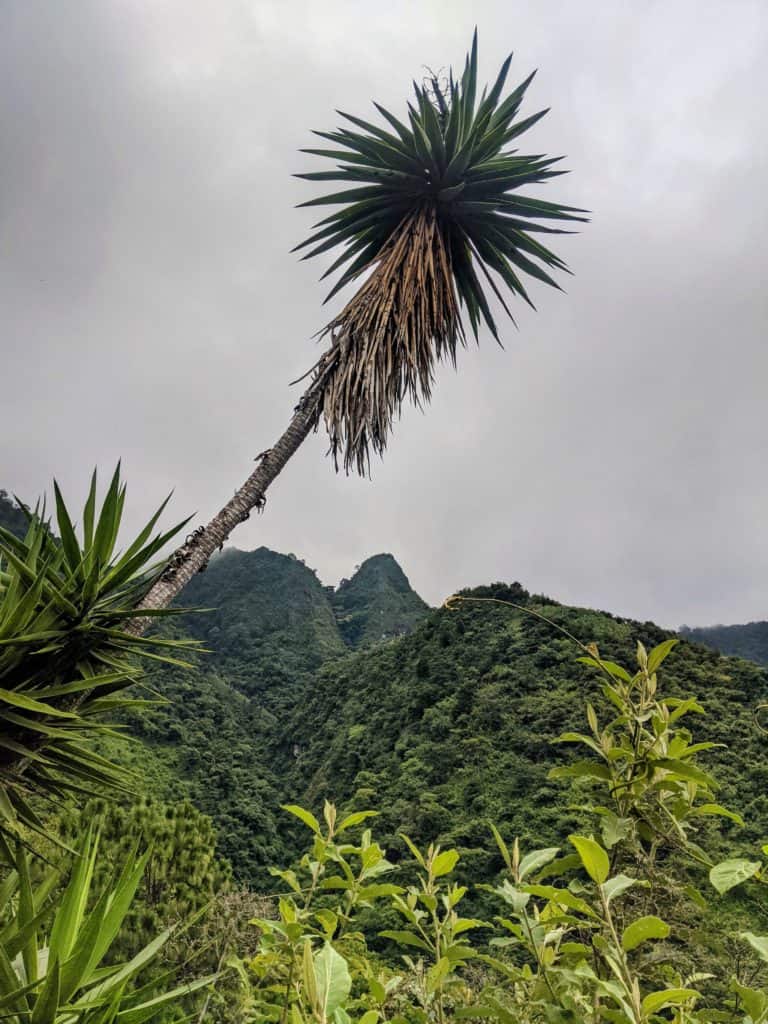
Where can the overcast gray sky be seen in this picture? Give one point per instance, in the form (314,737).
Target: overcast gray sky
(614,455)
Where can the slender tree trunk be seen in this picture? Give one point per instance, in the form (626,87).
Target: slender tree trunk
(192,556)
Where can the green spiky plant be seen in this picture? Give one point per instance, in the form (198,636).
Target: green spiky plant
(65,656)
(57,963)
(434,221)
(436,213)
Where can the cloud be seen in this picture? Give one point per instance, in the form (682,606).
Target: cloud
(612,455)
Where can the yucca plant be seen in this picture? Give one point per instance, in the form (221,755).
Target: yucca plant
(65,656)
(437,205)
(433,219)
(55,963)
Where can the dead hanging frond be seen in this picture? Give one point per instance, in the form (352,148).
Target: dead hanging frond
(387,339)
(432,201)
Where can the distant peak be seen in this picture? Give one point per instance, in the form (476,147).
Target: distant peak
(380,571)
(377,603)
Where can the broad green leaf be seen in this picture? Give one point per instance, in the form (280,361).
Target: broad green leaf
(659,653)
(328,920)
(754,1002)
(444,863)
(730,873)
(303,815)
(332,979)
(579,737)
(437,974)
(416,853)
(536,859)
(758,942)
(465,924)
(668,997)
(503,849)
(617,885)
(376,891)
(356,819)
(686,771)
(615,829)
(723,812)
(406,939)
(682,707)
(593,857)
(641,930)
(564,897)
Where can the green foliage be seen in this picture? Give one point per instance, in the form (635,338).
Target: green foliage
(65,657)
(57,963)
(268,619)
(210,744)
(444,729)
(453,725)
(587,936)
(182,874)
(452,154)
(223,739)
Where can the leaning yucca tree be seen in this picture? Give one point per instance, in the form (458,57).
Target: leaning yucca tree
(431,217)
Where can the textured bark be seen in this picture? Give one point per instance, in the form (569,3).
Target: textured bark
(192,556)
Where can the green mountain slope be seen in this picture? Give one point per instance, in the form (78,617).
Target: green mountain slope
(745,641)
(452,726)
(441,730)
(211,744)
(377,603)
(270,624)
(225,737)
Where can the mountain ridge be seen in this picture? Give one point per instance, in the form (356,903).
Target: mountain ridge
(743,640)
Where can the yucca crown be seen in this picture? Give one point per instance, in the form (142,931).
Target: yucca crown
(431,203)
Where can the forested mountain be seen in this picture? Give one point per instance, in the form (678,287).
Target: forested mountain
(745,641)
(377,603)
(442,719)
(442,729)
(453,726)
(225,739)
(269,622)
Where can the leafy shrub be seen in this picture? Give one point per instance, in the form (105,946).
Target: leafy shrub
(595,931)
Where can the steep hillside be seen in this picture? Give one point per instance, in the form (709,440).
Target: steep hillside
(224,738)
(212,744)
(747,641)
(377,603)
(269,624)
(441,730)
(452,726)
